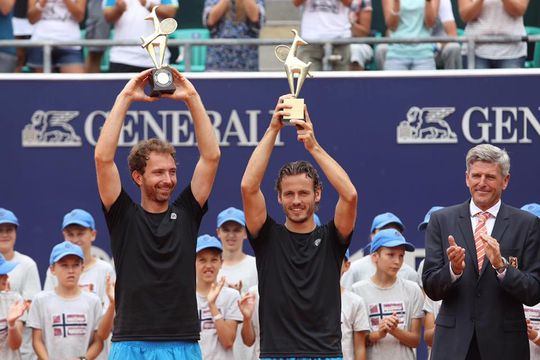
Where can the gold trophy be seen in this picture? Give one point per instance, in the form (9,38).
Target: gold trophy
(294,65)
(161,81)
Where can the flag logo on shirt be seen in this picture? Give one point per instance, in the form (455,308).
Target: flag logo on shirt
(379,311)
(65,325)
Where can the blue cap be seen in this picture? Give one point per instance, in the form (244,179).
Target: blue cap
(231,214)
(64,249)
(347,254)
(389,238)
(8,217)
(423,225)
(533,208)
(208,242)
(6,266)
(316,219)
(384,219)
(79,217)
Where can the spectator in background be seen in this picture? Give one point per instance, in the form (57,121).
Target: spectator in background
(8,59)
(325,20)
(238,268)
(233,19)
(394,304)
(496,17)
(79,228)
(22,29)
(57,21)
(447,55)
(24,279)
(128,18)
(364,268)
(219,313)
(354,320)
(12,311)
(360,17)
(410,19)
(96,28)
(532,313)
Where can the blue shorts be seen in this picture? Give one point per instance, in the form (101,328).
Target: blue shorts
(60,57)
(155,350)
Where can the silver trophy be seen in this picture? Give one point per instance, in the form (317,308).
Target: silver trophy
(161,81)
(294,66)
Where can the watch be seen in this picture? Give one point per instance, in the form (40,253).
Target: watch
(503,267)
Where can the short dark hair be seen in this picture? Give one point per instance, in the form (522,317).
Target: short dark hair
(297,168)
(139,154)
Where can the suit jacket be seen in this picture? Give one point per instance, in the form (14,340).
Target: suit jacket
(480,302)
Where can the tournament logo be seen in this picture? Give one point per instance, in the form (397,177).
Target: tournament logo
(51,129)
(426,126)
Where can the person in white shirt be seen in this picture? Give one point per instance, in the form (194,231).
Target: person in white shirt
(219,313)
(24,279)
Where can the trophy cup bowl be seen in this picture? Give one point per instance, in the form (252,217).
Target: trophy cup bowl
(161,79)
(294,66)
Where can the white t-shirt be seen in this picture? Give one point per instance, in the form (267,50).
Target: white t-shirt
(324,19)
(24,278)
(131,26)
(404,298)
(432,307)
(533,314)
(7,298)
(245,270)
(364,268)
(67,325)
(94,280)
(227,303)
(353,319)
(494,20)
(256,326)
(56,23)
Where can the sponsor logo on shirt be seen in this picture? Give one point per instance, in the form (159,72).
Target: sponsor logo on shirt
(317,242)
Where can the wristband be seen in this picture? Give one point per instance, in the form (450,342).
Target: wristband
(537,337)
(38,6)
(217,317)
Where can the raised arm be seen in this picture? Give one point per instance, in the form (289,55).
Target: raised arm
(108,178)
(206,168)
(225,329)
(345,213)
(252,196)
(247,307)
(15,326)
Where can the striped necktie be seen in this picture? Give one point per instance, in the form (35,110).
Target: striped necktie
(478,232)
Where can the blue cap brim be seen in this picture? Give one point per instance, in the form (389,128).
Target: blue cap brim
(395,243)
(67,253)
(233,219)
(84,224)
(208,247)
(7,267)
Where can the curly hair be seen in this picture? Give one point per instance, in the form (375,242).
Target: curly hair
(139,154)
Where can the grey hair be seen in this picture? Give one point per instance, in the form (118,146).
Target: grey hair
(491,154)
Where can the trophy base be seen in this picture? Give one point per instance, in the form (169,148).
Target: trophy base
(161,82)
(296,112)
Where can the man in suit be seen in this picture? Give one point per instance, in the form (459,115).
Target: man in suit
(481,316)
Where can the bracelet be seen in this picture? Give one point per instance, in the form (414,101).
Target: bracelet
(217,317)
(393,12)
(38,6)
(537,337)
